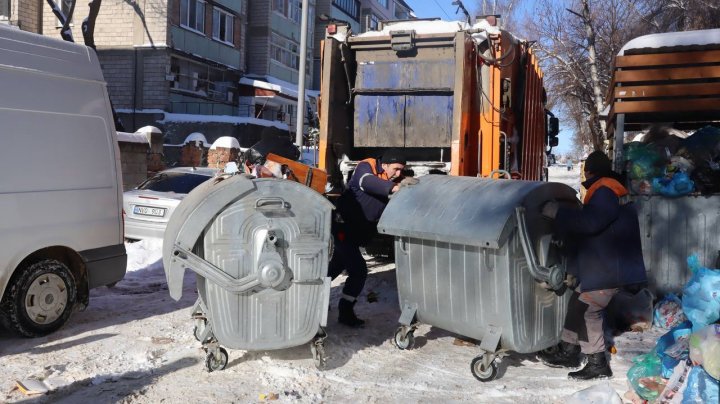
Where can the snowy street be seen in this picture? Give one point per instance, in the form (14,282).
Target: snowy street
(134,344)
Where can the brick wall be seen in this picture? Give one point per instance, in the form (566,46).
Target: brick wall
(26,15)
(133,158)
(218,157)
(119,22)
(191,155)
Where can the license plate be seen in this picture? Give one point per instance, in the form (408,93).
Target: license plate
(148,211)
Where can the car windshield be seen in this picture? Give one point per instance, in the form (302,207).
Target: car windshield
(180,183)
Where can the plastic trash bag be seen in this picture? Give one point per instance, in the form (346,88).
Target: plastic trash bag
(678,185)
(668,312)
(705,349)
(628,311)
(673,347)
(599,394)
(645,367)
(701,388)
(701,295)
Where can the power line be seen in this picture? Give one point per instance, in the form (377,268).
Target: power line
(443,10)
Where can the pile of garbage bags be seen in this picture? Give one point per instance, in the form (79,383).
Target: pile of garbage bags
(667,164)
(684,367)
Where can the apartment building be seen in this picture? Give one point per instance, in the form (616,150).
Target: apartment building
(166,62)
(270,88)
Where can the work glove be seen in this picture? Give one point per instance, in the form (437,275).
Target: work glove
(571,281)
(549,209)
(408,181)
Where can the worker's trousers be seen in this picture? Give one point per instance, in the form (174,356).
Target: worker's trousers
(584,320)
(347,257)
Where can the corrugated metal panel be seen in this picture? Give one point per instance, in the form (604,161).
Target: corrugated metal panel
(672,230)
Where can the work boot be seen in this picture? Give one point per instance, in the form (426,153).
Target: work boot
(565,355)
(597,367)
(347,314)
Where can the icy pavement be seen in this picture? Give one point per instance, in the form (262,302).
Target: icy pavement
(134,344)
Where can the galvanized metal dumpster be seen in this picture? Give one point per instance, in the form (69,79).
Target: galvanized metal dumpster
(260,248)
(475,257)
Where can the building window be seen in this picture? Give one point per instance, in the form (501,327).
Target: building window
(285,51)
(192,14)
(383,3)
(401,13)
(64,7)
(204,81)
(349,7)
(223,26)
(4,9)
(290,9)
(373,22)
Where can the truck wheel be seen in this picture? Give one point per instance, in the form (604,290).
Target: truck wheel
(39,299)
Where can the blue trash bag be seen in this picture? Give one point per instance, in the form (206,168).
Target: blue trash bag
(673,347)
(701,295)
(701,388)
(668,312)
(680,184)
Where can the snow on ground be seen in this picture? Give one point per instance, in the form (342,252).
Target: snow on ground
(134,344)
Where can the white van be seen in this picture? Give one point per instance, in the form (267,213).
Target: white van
(61,225)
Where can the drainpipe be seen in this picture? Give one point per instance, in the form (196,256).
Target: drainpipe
(301,79)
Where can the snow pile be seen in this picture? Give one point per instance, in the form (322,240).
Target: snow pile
(127,137)
(196,137)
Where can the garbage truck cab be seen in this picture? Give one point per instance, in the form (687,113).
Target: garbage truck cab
(671,79)
(61,227)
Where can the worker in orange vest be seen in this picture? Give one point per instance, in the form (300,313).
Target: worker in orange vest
(605,256)
(358,210)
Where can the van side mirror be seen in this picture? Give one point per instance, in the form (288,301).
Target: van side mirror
(552,131)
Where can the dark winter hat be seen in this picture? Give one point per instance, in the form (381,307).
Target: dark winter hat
(598,163)
(393,156)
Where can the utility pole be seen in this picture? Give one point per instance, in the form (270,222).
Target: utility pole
(301,80)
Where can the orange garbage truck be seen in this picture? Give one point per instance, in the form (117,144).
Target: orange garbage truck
(459,99)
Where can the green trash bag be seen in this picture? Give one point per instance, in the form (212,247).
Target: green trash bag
(646,367)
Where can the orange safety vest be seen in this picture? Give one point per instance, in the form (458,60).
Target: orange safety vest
(373,165)
(611,183)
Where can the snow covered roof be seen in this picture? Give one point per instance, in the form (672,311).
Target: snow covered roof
(132,137)
(674,39)
(425,27)
(222,119)
(277,85)
(196,137)
(226,142)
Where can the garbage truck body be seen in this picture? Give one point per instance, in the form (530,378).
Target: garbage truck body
(458,99)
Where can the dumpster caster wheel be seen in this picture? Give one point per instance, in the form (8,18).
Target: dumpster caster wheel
(216,359)
(481,371)
(404,340)
(318,354)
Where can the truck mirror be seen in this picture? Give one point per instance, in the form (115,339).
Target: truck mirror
(554,141)
(554,128)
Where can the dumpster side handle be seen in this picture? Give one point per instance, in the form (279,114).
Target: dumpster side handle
(553,276)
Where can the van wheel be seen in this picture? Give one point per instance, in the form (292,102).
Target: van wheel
(40,299)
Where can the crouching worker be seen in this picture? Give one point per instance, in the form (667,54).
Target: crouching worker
(358,211)
(605,256)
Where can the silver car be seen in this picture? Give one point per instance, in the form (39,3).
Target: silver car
(148,207)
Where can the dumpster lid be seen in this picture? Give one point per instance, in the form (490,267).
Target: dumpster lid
(467,210)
